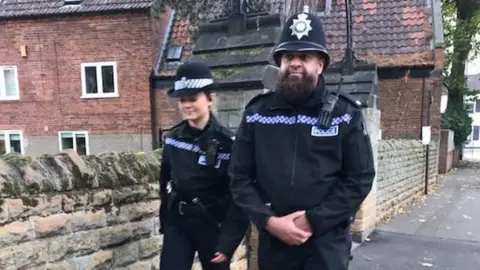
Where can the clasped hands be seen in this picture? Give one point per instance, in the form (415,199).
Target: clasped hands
(293,229)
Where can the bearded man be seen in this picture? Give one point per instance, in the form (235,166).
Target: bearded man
(301,169)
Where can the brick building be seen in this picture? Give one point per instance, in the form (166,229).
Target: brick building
(404,38)
(75,74)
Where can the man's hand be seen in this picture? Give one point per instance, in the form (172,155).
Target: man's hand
(302,223)
(219,258)
(285,229)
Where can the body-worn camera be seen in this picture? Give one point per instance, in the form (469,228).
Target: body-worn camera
(212,151)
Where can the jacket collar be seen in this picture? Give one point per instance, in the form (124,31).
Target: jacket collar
(211,127)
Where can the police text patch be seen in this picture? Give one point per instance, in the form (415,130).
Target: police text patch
(318,132)
(202,160)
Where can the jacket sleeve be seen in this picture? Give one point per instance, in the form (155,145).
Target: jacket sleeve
(234,229)
(164,179)
(358,171)
(242,173)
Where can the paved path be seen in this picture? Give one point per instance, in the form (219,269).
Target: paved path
(441,233)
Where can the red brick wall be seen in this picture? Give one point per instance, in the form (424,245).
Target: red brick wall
(401,106)
(49,77)
(166,110)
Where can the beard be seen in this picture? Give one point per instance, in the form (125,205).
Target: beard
(294,89)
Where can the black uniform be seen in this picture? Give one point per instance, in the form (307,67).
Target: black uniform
(281,158)
(185,175)
(288,158)
(197,211)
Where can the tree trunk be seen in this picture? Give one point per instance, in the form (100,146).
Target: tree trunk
(465,30)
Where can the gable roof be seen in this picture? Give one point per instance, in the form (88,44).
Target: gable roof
(387,32)
(30,8)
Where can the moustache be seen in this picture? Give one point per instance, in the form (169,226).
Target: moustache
(288,73)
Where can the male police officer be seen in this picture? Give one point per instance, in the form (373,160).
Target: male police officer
(300,169)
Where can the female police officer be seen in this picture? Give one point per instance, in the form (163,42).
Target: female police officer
(197,211)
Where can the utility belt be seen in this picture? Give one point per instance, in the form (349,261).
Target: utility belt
(212,209)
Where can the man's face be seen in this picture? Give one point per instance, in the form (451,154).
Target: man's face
(299,73)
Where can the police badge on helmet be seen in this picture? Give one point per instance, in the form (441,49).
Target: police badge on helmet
(301,55)
(302,32)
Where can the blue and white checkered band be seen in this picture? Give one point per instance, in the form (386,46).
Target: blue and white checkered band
(193,148)
(291,120)
(185,83)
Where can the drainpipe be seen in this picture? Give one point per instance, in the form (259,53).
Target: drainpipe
(427,147)
(153,111)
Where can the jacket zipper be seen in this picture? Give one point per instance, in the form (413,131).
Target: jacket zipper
(294,163)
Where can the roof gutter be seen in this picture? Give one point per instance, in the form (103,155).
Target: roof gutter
(166,37)
(152,79)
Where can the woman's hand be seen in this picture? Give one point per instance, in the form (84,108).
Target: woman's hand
(219,258)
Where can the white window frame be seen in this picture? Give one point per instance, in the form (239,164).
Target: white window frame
(3,90)
(7,133)
(87,141)
(470,103)
(100,93)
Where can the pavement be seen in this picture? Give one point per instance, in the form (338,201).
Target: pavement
(443,232)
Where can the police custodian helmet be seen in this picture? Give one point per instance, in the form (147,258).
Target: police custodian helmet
(302,32)
(191,78)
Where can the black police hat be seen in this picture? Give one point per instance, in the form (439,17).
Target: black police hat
(302,32)
(191,78)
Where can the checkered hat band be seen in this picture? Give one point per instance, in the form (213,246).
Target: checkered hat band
(192,83)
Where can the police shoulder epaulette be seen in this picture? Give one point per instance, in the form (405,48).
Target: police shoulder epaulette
(354,102)
(259,97)
(175,127)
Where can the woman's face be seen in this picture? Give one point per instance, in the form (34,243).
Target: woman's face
(195,106)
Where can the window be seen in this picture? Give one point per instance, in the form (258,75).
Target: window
(11,141)
(469,106)
(477,106)
(99,80)
(76,140)
(475,131)
(9,83)
(323,7)
(174,53)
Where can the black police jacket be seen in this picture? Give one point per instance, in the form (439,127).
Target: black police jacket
(184,164)
(280,157)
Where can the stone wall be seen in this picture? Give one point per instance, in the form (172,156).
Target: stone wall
(93,212)
(365,218)
(446,151)
(401,173)
(230,106)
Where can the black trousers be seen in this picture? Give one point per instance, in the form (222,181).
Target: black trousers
(330,251)
(185,234)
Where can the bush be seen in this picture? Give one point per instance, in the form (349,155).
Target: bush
(457,119)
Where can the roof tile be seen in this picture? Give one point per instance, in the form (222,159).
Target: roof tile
(15,8)
(389,32)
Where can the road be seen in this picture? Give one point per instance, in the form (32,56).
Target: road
(443,232)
